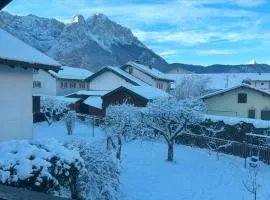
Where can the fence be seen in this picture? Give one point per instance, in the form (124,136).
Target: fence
(12,193)
(234,148)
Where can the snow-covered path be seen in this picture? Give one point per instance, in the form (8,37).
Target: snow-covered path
(196,175)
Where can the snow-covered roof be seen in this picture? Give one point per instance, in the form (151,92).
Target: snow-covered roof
(119,72)
(235,87)
(66,99)
(90,92)
(15,52)
(94,101)
(71,73)
(150,71)
(147,92)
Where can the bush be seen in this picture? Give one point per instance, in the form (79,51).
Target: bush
(100,181)
(46,167)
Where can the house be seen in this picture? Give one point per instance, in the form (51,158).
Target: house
(63,82)
(262,83)
(109,78)
(239,101)
(91,101)
(178,70)
(17,62)
(136,95)
(149,75)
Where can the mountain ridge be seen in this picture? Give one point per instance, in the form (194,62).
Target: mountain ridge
(98,41)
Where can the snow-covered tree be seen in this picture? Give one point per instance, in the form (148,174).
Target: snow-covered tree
(170,118)
(70,119)
(52,107)
(192,86)
(121,124)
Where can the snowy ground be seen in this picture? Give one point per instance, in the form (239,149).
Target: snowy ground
(195,175)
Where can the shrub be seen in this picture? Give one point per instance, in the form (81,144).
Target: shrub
(100,181)
(46,167)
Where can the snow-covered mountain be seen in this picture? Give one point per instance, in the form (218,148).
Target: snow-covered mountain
(90,43)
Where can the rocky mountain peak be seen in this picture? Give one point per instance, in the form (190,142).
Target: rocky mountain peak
(78,19)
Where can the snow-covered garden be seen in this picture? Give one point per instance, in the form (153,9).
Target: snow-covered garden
(196,173)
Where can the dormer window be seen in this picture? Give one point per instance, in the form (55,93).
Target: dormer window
(130,70)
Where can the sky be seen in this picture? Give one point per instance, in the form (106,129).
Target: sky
(181,31)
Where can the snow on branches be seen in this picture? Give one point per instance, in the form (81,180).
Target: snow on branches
(191,87)
(121,124)
(52,107)
(170,118)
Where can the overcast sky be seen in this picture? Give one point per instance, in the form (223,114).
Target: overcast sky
(187,31)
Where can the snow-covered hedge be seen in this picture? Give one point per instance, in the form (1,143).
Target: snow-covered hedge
(46,167)
(101,179)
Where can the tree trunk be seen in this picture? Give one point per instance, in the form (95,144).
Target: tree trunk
(170,152)
(119,148)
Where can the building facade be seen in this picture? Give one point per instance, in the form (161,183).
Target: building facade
(240,101)
(149,75)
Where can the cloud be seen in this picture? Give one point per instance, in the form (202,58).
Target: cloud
(215,52)
(249,3)
(167,53)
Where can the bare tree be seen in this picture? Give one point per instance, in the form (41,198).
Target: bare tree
(121,124)
(170,118)
(70,120)
(52,107)
(251,181)
(191,86)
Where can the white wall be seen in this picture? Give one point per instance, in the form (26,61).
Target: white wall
(108,81)
(265,85)
(48,83)
(65,91)
(16,118)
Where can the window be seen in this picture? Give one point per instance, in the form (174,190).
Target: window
(130,70)
(65,84)
(62,85)
(36,84)
(82,85)
(265,114)
(160,85)
(252,113)
(72,85)
(242,98)
(262,83)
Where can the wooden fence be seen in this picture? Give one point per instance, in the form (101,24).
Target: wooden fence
(12,193)
(235,148)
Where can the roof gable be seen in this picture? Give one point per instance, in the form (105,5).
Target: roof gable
(234,88)
(154,73)
(71,73)
(17,53)
(119,72)
(145,92)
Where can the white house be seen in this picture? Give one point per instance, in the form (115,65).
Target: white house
(110,78)
(261,83)
(65,81)
(149,75)
(17,61)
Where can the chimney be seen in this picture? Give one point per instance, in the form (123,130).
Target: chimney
(150,66)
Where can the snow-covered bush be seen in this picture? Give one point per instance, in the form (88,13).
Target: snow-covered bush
(100,181)
(52,108)
(70,119)
(191,87)
(121,124)
(46,167)
(170,118)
